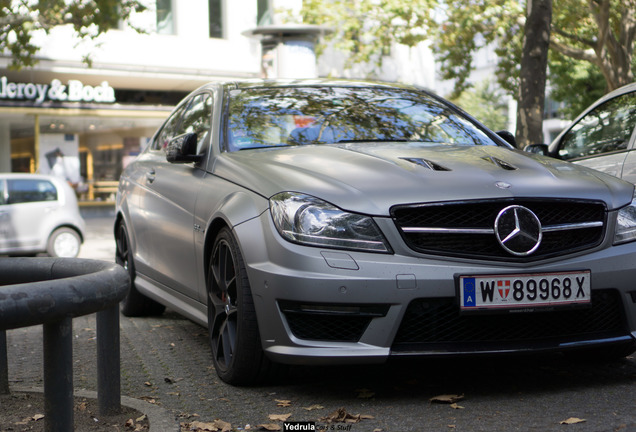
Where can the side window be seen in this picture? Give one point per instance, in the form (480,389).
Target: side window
(169,130)
(198,119)
(607,128)
(25,191)
(2,193)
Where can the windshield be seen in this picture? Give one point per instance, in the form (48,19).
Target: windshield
(287,116)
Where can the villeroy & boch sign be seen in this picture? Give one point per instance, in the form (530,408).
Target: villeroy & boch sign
(73,91)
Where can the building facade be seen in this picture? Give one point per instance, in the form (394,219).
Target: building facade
(85,123)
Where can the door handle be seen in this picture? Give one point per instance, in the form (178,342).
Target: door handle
(150,175)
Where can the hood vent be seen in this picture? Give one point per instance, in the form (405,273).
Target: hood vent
(426,164)
(501,164)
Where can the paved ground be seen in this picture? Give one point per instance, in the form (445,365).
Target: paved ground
(166,361)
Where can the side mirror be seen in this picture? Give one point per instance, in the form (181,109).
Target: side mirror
(182,149)
(537,148)
(508,137)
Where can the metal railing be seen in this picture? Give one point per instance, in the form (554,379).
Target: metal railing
(51,292)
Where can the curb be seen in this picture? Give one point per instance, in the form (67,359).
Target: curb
(159,418)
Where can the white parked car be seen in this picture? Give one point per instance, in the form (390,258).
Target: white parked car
(39,214)
(602,137)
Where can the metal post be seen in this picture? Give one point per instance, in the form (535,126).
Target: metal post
(58,375)
(108,361)
(4,364)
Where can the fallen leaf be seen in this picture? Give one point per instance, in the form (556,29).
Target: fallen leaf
(148,399)
(313,407)
(174,393)
(169,380)
(572,420)
(82,406)
(142,418)
(279,417)
(37,417)
(447,398)
(455,406)
(342,416)
(130,423)
(148,383)
(283,403)
(269,427)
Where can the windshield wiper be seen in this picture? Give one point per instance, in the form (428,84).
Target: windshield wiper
(374,140)
(264,147)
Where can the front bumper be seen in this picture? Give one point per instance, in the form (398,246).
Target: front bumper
(321,306)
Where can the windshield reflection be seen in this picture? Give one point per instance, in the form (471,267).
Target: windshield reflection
(285,116)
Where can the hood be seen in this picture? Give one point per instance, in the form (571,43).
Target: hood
(372,177)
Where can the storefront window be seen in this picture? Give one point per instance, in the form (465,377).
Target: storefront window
(89,152)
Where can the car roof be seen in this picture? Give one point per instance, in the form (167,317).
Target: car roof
(27,176)
(308,82)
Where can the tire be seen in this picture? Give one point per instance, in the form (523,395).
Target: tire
(64,243)
(135,304)
(234,336)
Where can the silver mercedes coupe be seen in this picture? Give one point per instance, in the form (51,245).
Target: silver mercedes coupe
(331,222)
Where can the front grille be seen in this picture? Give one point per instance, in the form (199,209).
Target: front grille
(433,324)
(479,216)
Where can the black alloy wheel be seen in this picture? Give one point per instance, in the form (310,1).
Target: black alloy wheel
(236,347)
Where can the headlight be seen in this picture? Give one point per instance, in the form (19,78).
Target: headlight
(307,220)
(626,224)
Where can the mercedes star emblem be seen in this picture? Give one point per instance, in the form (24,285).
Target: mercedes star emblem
(518,230)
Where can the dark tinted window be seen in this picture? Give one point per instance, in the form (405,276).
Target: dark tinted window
(23,191)
(607,128)
(284,116)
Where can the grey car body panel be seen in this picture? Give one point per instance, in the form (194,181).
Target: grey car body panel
(347,175)
(232,189)
(282,270)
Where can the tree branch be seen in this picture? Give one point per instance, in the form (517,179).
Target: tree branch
(588,55)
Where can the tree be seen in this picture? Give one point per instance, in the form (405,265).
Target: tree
(20,20)
(575,83)
(533,71)
(600,32)
(486,103)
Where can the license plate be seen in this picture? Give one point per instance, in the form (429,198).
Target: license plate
(524,291)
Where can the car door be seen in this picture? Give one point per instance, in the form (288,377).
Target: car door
(602,138)
(164,225)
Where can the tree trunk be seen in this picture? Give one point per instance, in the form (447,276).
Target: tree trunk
(534,62)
